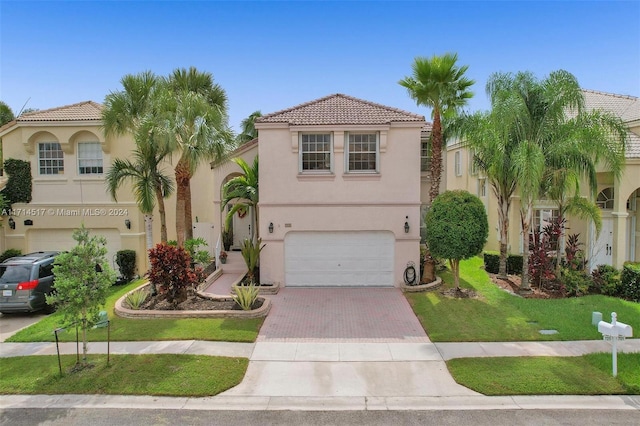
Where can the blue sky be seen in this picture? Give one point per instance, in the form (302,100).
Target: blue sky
(273,55)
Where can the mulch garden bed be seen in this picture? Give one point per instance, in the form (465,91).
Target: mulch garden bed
(196,303)
(512,285)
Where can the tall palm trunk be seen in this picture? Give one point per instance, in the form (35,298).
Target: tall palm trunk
(162,214)
(503,219)
(525,219)
(182,186)
(188,216)
(436,155)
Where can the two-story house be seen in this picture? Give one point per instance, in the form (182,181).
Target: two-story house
(340,192)
(69,156)
(619,239)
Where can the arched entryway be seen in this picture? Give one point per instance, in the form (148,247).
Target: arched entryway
(240,226)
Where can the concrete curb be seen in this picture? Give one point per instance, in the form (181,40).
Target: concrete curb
(253,403)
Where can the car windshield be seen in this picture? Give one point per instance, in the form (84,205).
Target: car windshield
(14,273)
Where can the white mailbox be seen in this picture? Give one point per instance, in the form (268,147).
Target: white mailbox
(619,329)
(613,332)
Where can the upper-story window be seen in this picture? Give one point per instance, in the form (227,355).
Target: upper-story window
(50,158)
(89,158)
(315,152)
(425,154)
(457,162)
(362,152)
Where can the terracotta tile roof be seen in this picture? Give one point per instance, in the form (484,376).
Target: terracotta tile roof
(81,111)
(339,109)
(625,107)
(633,145)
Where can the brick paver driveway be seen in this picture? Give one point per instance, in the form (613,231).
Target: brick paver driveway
(341,315)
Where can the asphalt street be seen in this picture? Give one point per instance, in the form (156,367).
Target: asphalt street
(133,417)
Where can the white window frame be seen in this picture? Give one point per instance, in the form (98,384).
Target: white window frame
(347,143)
(539,214)
(54,147)
(302,152)
(425,160)
(457,163)
(482,187)
(90,159)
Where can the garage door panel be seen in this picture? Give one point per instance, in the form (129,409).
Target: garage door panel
(339,259)
(62,239)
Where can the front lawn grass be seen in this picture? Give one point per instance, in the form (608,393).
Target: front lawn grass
(585,375)
(497,316)
(127,329)
(167,374)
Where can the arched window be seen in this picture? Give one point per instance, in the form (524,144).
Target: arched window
(605,199)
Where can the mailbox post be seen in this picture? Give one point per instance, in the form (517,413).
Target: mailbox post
(614,332)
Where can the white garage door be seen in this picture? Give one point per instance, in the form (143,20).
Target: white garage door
(62,239)
(346,259)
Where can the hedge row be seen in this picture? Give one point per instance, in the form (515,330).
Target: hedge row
(492,263)
(630,282)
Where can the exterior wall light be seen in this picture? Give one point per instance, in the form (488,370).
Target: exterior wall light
(127,223)
(271,227)
(12,223)
(406,225)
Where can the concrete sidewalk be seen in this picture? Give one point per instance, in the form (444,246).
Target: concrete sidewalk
(334,376)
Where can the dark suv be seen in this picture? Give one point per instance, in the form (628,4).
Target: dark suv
(25,280)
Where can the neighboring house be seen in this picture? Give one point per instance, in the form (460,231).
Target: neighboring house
(619,240)
(69,157)
(340,193)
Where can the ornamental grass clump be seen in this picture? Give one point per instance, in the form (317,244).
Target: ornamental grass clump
(246,296)
(135,299)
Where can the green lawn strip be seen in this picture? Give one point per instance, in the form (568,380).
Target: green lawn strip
(499,316)
(126,329)
(166,374)
(585,375)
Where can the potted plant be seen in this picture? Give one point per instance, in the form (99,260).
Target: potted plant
(223,257)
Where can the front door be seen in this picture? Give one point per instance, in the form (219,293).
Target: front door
(241,229)
(602,250)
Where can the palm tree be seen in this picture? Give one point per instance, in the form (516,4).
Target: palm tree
(244,189)
(149,184)
(439,84)
(133,110)
(248,129)
(197,129)
(548,142)
(487,135)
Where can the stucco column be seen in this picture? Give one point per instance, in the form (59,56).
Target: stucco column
(620,226)
(619,235)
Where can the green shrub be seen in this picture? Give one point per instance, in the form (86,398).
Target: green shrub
(192,246)
(135,299)
(126,261)
(227,238)
(251,255)
(576,283)
(492,263)
(605,280)
(246,296)
(630,282)
(9,253)
(514,264)
(19,185)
